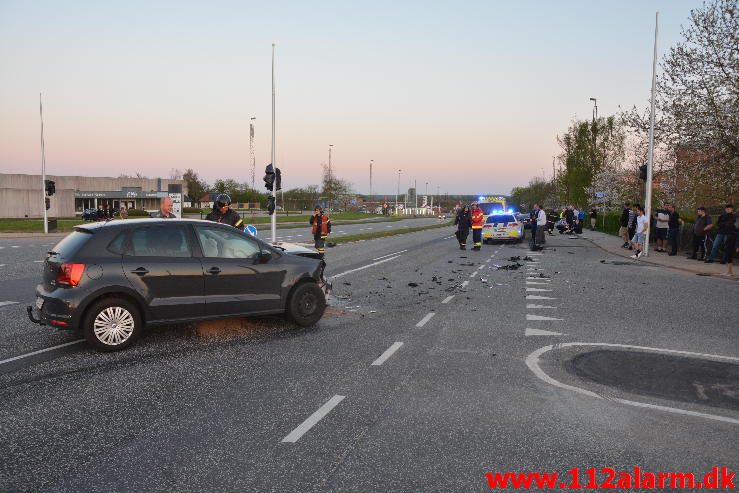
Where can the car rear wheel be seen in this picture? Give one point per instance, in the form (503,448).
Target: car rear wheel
(112,324)
(306,304)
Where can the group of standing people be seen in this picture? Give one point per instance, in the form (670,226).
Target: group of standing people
(470,219)
(667,221)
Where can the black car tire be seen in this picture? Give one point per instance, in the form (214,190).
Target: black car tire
(123,321)
(306,304)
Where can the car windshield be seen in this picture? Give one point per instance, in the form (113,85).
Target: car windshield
(501,218)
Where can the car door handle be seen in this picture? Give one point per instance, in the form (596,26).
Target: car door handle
(140,271)
(214,270)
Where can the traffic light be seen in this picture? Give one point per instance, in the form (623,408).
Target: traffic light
(270,175)
(50,187)
(643,172)
(271,205)
(48,203)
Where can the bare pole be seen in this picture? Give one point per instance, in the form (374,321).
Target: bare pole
(650,157)
(43,165)
(370,194)
(274,160)
(330,180)
(252,156)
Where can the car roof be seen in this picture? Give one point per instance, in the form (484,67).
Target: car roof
(144,221)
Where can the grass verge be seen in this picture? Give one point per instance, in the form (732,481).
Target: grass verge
(382,234)
(35,225)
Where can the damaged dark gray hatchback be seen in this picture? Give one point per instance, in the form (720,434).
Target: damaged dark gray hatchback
(112,279)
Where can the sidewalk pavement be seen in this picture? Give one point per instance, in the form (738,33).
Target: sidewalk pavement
(612,244)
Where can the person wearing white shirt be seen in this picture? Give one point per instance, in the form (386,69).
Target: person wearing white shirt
(642,229)
(541,223)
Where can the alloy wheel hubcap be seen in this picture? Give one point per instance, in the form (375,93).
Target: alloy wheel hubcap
(113,326)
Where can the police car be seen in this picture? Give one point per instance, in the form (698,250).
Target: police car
(502,226)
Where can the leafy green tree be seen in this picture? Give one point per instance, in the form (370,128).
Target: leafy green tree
(196,187)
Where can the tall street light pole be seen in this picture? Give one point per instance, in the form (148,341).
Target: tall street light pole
(650,157)
(595,108)
(43,165)
(274,159)
(397,192)
(370,190)
(251,150)
(330,179)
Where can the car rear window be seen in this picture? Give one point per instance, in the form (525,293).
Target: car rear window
(161,241)
(504,218)
(72,243)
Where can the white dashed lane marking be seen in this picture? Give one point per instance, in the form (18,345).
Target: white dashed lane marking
(447,299)
(388,352)
(464,284)
(425,319)
(539,332)
(313,419)
(15,246)
(538,289)
(539,317)
(535,297)
(6,303)
(530,305)
(539,283)
(473,274)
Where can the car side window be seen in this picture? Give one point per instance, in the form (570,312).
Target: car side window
(222,243)
(118,244)
(160,241)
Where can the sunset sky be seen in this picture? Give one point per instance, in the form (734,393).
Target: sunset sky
(468,96)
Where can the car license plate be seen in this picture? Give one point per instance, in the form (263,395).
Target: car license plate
(39,303)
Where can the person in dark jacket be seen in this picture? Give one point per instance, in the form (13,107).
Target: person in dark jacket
(320,228)
(222,212)
(463,221)
(725,234)
(700,228)
(673,229)
(623,231)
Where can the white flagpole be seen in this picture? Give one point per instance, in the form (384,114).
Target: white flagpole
(650,158)
(43,166)
(274,161)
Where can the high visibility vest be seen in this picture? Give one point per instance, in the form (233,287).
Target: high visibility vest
(477,218)
(324,225)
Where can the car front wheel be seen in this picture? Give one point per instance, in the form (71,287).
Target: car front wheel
(306,304)
(112,324)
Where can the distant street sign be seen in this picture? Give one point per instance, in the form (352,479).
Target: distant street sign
(250,229)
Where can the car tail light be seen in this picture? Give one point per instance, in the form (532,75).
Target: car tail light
(512,225)
(70,274)
(488,226)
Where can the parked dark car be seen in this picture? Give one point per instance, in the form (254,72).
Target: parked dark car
(90,215)
(111,279)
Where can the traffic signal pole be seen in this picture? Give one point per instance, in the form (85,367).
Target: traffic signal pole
(650,160)
(274,161)
(43,166)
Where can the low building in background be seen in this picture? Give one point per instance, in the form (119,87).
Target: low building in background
(22,195)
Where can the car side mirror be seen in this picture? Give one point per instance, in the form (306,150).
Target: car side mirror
(264,256)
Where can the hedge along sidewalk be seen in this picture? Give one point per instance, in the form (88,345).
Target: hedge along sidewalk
(612,244)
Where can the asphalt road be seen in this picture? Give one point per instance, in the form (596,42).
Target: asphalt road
(432,367)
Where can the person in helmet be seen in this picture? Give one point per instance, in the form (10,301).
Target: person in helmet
(222,212)
(320,228)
